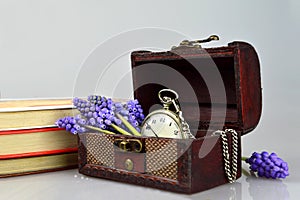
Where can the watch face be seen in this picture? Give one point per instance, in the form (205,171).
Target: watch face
(161,123)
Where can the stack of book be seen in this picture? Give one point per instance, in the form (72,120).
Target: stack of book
(29,140)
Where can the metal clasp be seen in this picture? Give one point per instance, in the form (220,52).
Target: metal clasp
(133,145)
(195,43)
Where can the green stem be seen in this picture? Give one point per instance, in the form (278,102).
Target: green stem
(120,129)
(244,158)
(128,125)
(245,172)
(99,129)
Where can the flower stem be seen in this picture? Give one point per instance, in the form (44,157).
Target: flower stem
(128,125)
(244,158)
(122,131)
(99,129)
(245,172)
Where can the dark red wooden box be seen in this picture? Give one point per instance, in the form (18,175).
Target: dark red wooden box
(218,88)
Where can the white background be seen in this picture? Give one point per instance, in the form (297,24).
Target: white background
(44,43)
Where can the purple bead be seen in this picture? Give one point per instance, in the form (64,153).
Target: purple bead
(253,167)
(92,121)
(74,131)
(92,108)
(267,174)
(286,173)
(267,168)
(268,161)
(278,162)
(284,165)
(68,127)
(77,127)
(265,154)
(104,110)
(102,126)
(95,114)
(102,114)
(90,114)
(142,116)
(260,173)
(278,174)
(273,174)
(109,117)
(104,104)
(251,160)
(276,168)
(282,176)
(135,123)
(82,121)
(131,118)
(107,122)
(135,101)
(258,161)
(99,120)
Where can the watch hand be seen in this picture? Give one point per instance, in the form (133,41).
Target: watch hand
(152,129)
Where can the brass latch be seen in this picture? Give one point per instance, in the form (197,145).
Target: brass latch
(132,145)
(195,43)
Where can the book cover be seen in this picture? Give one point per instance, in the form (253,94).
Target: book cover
(39,141)
(31,151)
(37,164)
(34,113)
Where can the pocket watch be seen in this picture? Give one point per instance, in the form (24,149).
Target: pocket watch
(165,122)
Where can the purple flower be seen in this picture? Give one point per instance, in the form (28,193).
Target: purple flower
(268,165)
(72,124)
(100,112)
(106,109)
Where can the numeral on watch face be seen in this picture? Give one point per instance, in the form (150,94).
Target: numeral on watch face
(161,125)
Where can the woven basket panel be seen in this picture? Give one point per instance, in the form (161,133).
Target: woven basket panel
(100,150)
(161,158)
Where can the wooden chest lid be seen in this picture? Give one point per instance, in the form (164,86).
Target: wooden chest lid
(218,87)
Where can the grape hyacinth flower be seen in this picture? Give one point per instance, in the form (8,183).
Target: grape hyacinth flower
(132,111)
(103,114)
(96,111)
(72,124)
(267,165)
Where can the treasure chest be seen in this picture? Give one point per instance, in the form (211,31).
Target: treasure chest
(220,97)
